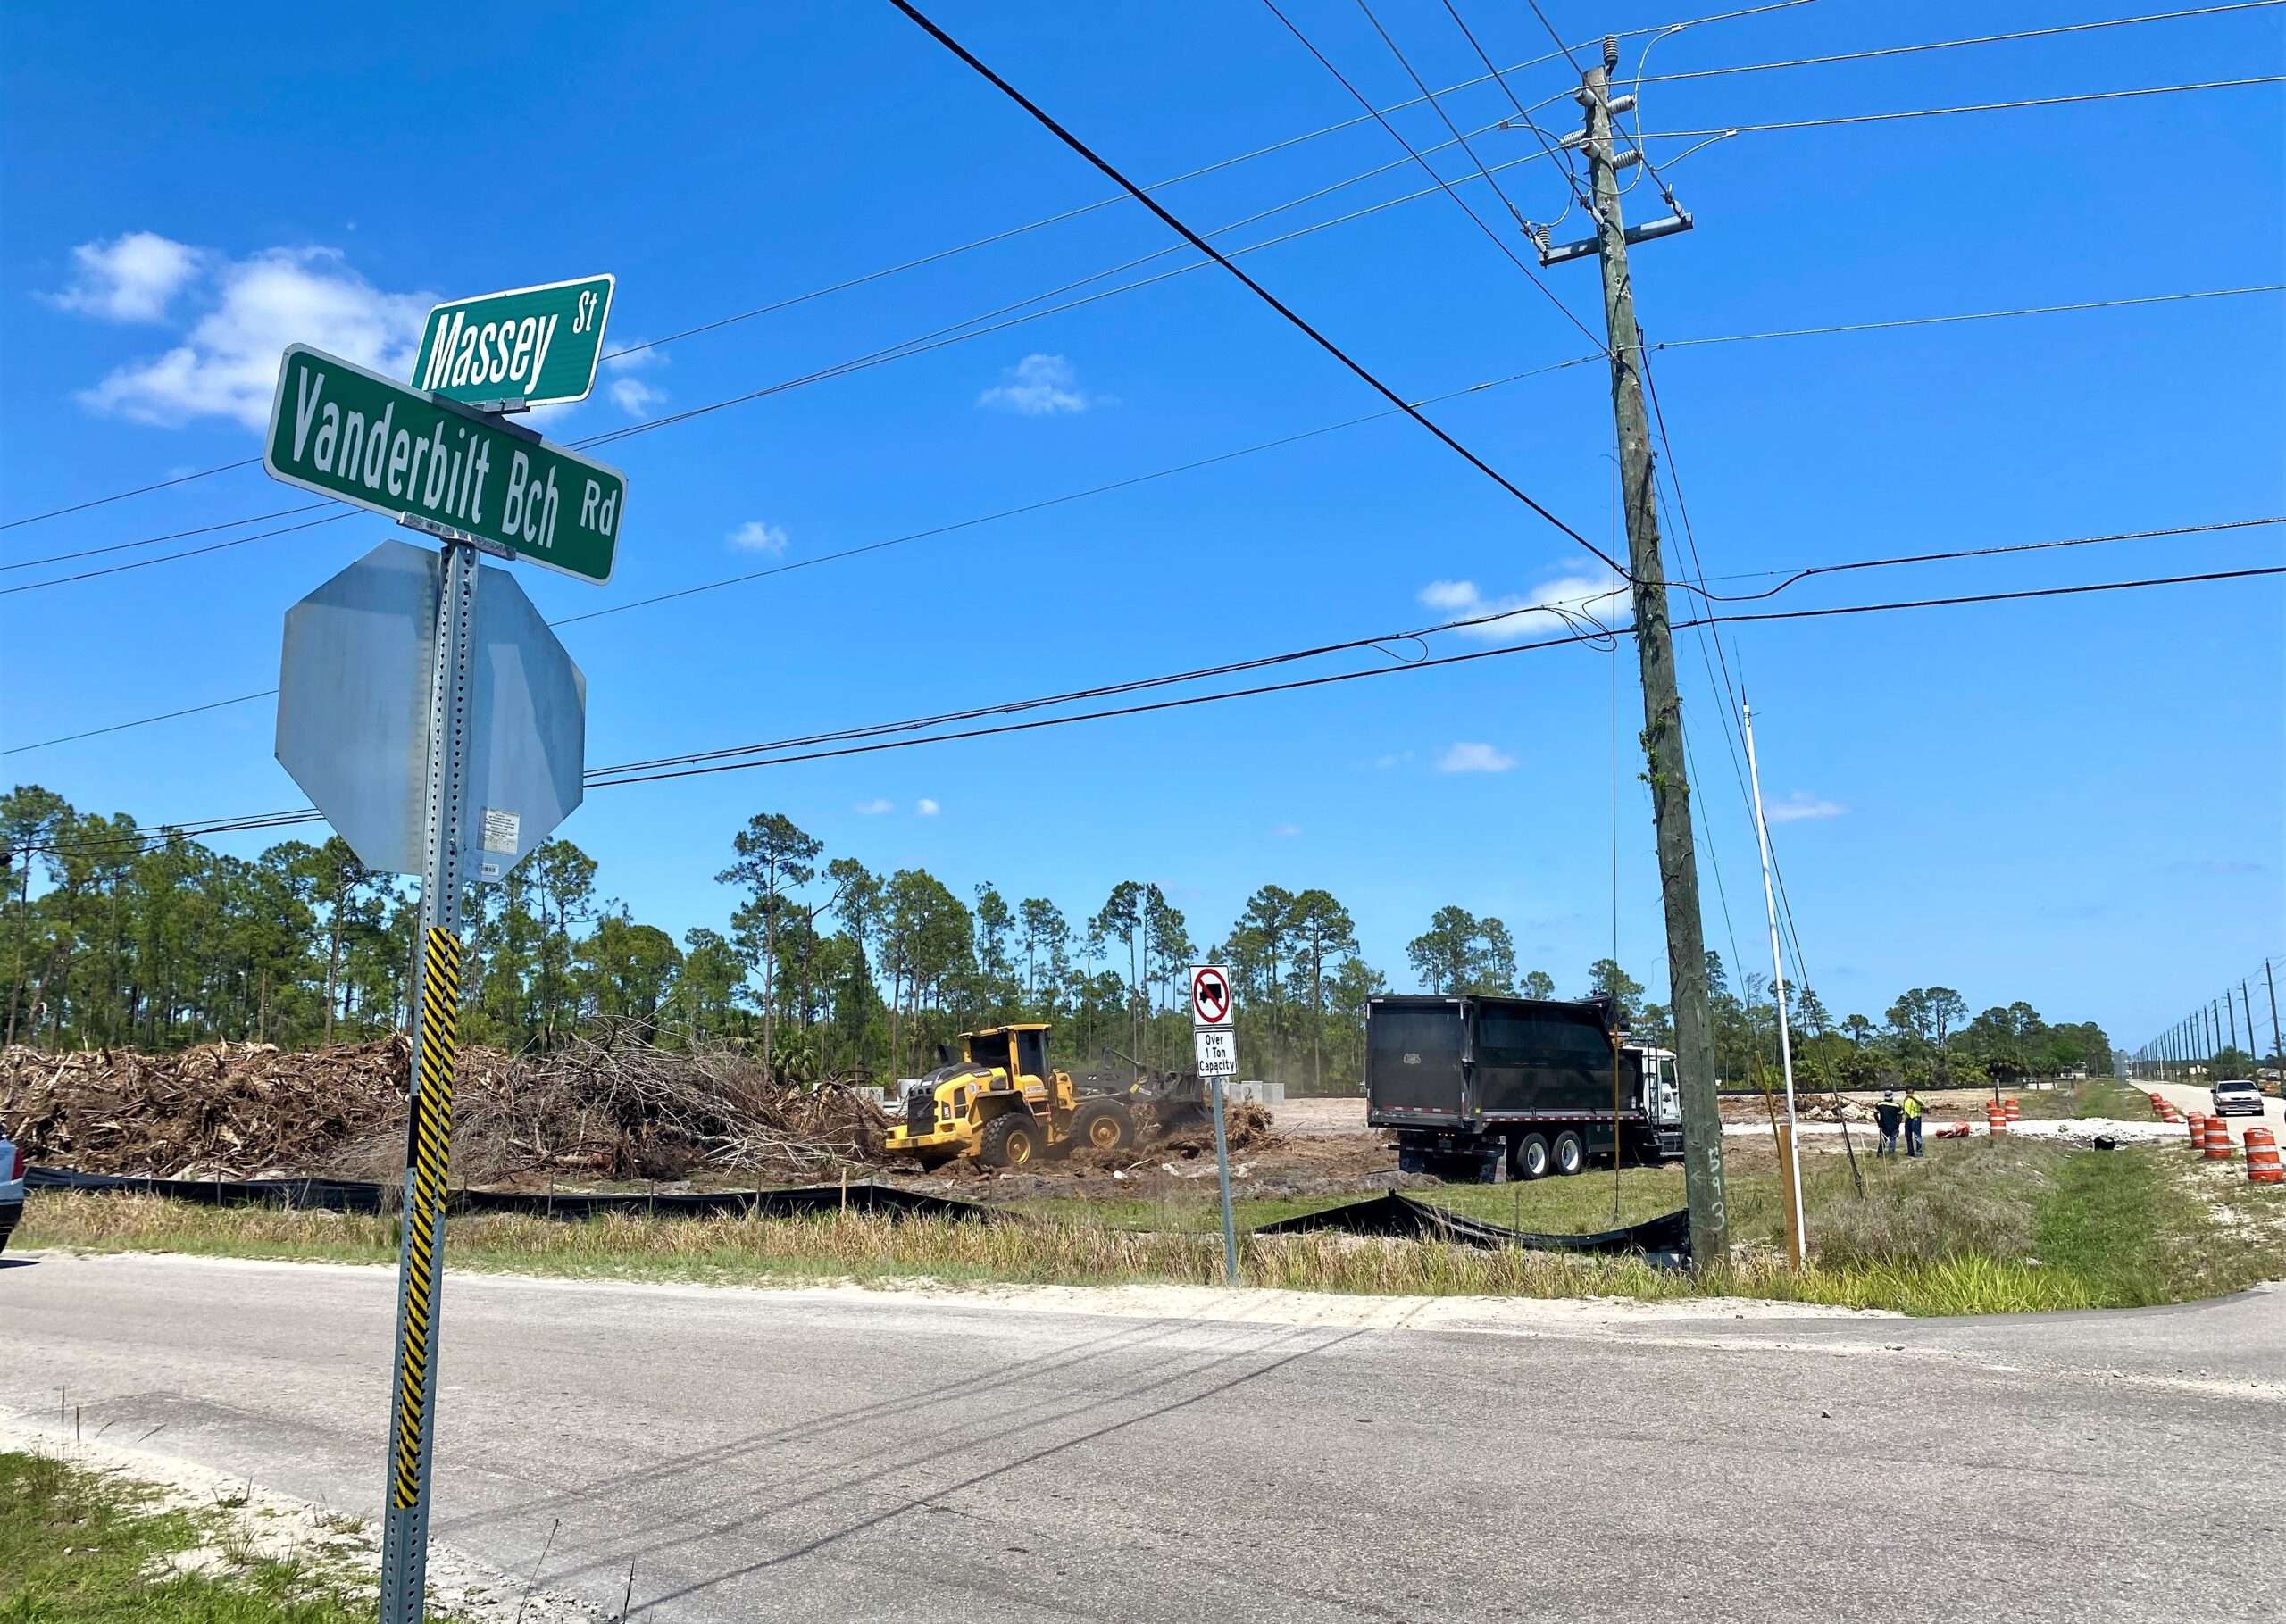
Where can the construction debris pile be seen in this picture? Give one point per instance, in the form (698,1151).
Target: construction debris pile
(623,1109)
(1245,1126)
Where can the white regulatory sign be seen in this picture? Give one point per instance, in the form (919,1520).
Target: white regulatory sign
(1211,1003)
(1218,1051)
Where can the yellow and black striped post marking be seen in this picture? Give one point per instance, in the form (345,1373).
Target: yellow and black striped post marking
(429,1152)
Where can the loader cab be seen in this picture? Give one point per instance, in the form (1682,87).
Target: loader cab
(1020,1050)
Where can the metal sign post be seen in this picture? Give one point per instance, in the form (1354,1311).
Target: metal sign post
(1214,1015)
(427,1153)
(461,788)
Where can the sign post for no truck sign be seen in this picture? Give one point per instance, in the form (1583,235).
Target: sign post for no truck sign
(1213,1026)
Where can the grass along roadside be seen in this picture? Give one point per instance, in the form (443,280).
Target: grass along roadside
(79,1545)
(1980,1225)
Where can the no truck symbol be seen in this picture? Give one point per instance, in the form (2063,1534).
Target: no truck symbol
(1210,995)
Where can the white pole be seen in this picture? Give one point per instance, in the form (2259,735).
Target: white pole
(1778,972)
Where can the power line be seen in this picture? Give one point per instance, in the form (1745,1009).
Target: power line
(1796,575)
(881,357)
(76,507)
(698,765)
(1561,155)
(1975,315)
(1939,113)
(1167,219)
(906,350)
(998,237)
(1490,236)
(152,541)
(169,558)
(1697,585)
(1560,46)
(1948,45)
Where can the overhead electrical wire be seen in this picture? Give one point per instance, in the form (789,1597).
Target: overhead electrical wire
(1728,130)
(998,237)
(942,338)
(1685,583)
(698,763)
(1561,154)
(1668,344)
(1168,219)
(1709,136)
(1944,45)
(1494,238)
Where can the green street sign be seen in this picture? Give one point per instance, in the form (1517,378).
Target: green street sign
(536,345)
(339,430)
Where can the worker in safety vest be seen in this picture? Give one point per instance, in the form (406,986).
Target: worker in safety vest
(1913,1109)
(1889,1116)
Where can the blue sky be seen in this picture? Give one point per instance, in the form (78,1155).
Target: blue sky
(2075,802)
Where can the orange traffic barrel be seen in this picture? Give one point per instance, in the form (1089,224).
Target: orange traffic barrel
(1996,1120)
(2263,1166)
(2015,1111)
(2217,1143)
(2198,1121)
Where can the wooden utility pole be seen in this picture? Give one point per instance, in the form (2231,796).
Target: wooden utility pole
(2277,1042)
(1663,742)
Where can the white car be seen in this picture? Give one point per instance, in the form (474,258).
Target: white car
(2237,1097)
(11,1189)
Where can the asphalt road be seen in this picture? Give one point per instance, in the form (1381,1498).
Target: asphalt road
(849,1456)
(2189,1097)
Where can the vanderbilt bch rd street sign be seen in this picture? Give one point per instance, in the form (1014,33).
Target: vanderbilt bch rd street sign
(339,430)
(536,345)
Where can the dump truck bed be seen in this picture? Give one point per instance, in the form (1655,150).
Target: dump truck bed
(1461,1061)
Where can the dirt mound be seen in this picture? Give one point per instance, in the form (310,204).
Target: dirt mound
(619,1109)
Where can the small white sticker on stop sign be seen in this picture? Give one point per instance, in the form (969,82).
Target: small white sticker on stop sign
(1212,1008)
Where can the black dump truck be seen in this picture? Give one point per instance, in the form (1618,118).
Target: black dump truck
(1482,1088)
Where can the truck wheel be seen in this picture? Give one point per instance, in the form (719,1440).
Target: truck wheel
(1529,1159)
(1104,1124)
(1570,1155)
(1009,1140)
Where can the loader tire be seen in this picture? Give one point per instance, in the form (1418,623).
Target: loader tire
(1103,1125)
(1011,1140)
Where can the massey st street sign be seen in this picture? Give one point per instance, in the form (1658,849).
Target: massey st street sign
(536,345)
(342,431)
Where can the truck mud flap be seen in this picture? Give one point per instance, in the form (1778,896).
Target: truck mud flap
(348,1195)
(1665,1241)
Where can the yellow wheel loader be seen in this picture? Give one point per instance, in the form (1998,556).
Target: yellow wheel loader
(1001,1103)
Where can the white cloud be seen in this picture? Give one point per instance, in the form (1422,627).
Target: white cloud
(633,396)
(1285,831)
(873,808)
(226,365)
(634,355)
(1574,595)
(1039,386)
(755,537)
(131,278)
(1800,805)
(926,808)
(1396,759)
(1475,758)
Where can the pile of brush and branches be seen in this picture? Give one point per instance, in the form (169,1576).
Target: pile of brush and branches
(617,1107)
